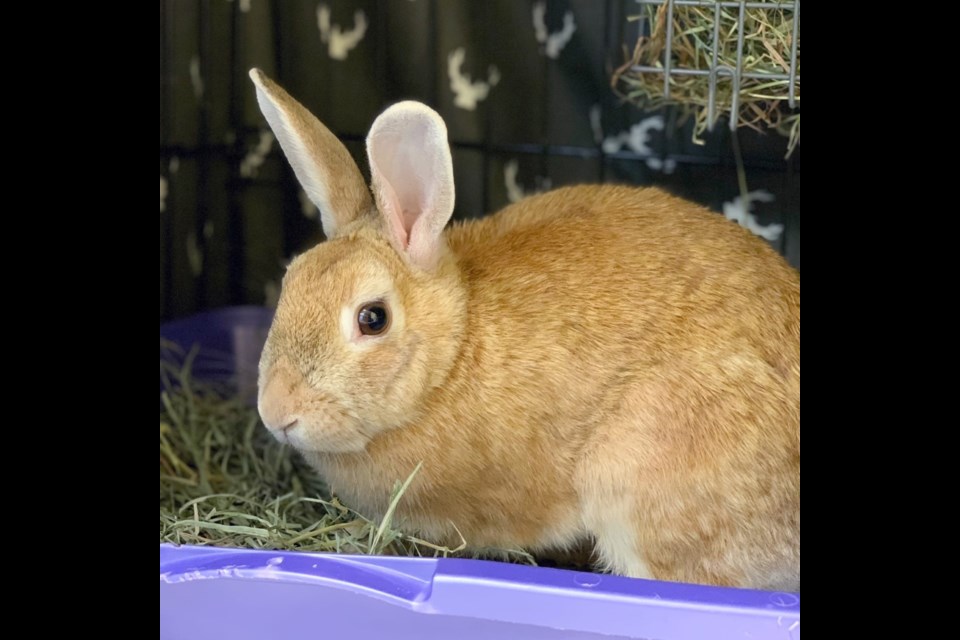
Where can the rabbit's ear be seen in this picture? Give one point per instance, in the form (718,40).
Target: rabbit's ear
(323,165)
(412,178)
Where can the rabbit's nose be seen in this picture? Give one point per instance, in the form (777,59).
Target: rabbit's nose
(277,402)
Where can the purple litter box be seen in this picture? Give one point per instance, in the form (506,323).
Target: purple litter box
(211,592)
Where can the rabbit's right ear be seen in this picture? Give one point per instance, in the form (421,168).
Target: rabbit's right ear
(323,166)
(412,179)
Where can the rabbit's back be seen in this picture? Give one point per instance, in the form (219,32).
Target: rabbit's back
(602,269)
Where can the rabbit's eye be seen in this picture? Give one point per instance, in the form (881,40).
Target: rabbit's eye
(373,319)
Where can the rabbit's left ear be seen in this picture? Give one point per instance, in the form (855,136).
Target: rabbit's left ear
(327,173)
(412,178)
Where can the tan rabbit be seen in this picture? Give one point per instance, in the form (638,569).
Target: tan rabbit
(598,363)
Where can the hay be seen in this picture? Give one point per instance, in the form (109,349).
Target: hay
(225,481)
(768,37)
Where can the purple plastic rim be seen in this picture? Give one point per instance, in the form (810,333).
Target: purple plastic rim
(546,598)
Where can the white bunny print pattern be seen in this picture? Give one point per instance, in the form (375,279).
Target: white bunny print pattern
(339,42)
(467,93)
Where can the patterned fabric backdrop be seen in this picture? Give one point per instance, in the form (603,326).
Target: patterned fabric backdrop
(524,86)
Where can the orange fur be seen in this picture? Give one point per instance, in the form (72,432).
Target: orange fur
(598,362)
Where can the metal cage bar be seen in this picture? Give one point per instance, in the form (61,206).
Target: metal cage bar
(794,45)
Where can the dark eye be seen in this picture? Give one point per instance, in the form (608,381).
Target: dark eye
(373,319)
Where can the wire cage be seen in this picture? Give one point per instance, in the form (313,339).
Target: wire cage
(232,213)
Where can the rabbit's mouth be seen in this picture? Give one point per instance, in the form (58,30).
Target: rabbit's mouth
(319,434)
(283,433)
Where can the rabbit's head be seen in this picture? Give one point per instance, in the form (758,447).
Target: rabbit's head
(370,321)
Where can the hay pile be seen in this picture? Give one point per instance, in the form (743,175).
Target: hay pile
(767,44)
(225,481)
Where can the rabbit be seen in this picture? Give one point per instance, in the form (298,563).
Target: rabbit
(601,363)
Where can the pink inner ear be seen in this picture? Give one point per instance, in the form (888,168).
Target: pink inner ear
(403,180)
(409,218)
(398,220)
